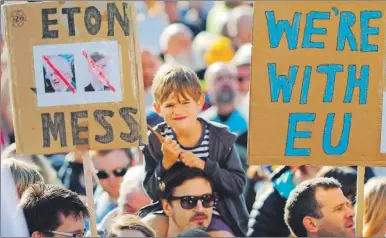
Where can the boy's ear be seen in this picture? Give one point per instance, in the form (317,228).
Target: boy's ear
(156,107)
(201,101)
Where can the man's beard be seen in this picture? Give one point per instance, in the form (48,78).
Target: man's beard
(225,95)
(333,231)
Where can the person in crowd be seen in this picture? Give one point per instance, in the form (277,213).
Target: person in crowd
(44,166)
(222,89)
(111,166)
(175,15)
(130,226)
(24,174)
(374,208)
(150,65)
(51,210)
(176,45)
(197,143)
(188,199)
(72,175)
(132,196)
(318,208)
(240,25)
(96,83)
(218,13)
(242,61)
(267,215)
(346,176)
(13,223)
(6,122)
(63,65)
(257,181)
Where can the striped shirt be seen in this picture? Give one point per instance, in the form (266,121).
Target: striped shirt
(201,150)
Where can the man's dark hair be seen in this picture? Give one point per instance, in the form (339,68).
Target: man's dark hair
(346,176)
(43,205)
(302,203)
(177,175)
(96,56)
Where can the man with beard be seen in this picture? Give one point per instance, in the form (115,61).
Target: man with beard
(187,200)
(318,208)
(222,89)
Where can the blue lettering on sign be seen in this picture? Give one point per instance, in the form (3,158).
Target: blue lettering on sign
(277,29)
(347,20)
(294,118)
(330,70)
(282,82)
(362,82)
(366,16)
(342,145)
(310,29)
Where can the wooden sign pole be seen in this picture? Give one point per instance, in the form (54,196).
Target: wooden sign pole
(83,151)
(360,201)
(89,191)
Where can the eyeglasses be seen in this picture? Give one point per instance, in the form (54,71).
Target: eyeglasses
(117,172)
(79,234)
(190,202)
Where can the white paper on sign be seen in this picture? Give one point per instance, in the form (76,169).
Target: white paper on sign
(383,135)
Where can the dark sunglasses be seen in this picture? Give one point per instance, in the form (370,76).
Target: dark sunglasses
(190,202)
(117,172)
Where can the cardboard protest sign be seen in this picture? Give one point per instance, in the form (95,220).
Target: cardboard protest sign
(76,77)
(318,77)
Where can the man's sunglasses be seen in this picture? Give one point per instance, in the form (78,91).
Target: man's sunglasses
(117,172)
(190,202)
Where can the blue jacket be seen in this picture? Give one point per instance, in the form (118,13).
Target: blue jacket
(223,168)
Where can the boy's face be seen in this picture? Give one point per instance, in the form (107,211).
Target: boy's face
(178,112)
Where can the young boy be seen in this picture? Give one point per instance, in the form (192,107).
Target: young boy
(196,143)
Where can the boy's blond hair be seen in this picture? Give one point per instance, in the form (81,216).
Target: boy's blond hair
(176,79)
(23,173)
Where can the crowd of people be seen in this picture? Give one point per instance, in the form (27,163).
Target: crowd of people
(193,178)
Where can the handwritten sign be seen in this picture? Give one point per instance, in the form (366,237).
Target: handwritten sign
(76,79)
(317,83)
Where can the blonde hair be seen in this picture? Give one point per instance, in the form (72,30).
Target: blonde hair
(40,161)
(176,79)
(375,206)
(130,222)
(24,174)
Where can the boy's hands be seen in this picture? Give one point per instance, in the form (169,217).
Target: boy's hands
(192,161)
(171,151)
